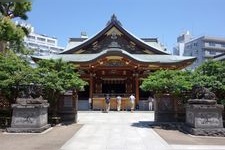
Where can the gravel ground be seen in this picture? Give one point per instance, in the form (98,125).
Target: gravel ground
(53,139)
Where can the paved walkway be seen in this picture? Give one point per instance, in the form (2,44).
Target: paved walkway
(120,131)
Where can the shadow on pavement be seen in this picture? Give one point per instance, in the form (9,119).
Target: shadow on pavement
(143,124)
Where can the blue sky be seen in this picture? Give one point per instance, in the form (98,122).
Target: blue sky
(163,19)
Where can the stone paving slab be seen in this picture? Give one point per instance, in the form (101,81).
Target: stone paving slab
(122,131)
(115,131)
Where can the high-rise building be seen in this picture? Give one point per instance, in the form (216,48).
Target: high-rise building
(181,40)
(204,48)
(40,44)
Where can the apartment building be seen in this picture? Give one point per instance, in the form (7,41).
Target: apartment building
(203,48)
(40,44)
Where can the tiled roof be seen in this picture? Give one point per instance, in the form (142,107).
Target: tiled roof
(118,52)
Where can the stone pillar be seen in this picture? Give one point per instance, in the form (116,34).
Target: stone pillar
(204,117)
(69,105)
(29,118)
(165,109)
(75,99)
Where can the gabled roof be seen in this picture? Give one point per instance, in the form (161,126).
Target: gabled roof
(114,23)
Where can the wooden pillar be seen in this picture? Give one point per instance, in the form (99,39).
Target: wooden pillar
(91,86)
(137,89)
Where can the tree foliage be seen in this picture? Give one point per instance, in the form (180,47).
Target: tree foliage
(14,72)
(167,81)
(57,77)
(15,9)
(11,35)
(211,75)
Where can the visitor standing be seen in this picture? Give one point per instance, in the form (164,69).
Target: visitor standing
(118,100)
(107,103)
(90,104)
(150,103)
(132,102)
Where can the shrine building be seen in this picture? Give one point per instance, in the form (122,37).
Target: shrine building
(114,61)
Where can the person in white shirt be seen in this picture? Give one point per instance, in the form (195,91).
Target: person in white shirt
(132,102)
(90,105)
(118,100)
(150,103)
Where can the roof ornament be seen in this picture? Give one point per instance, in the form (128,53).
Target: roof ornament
(113,19)
(113,35)
(114,44)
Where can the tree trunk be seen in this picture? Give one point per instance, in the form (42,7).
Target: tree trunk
(2,46)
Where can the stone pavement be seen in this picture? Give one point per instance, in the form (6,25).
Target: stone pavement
(121,131)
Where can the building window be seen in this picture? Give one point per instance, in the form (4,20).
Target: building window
(33,45)
(223,45)
(212,44)
(212,52)
(54,48)
(196,51)
(31,37)
(195,44)
(43,47)
(41,39)
(188,46)
(51,41)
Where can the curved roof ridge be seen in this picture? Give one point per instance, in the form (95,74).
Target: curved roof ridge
(121,29)
(142,41)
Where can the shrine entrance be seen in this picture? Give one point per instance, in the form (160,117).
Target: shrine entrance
(114,87)
(115,75)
